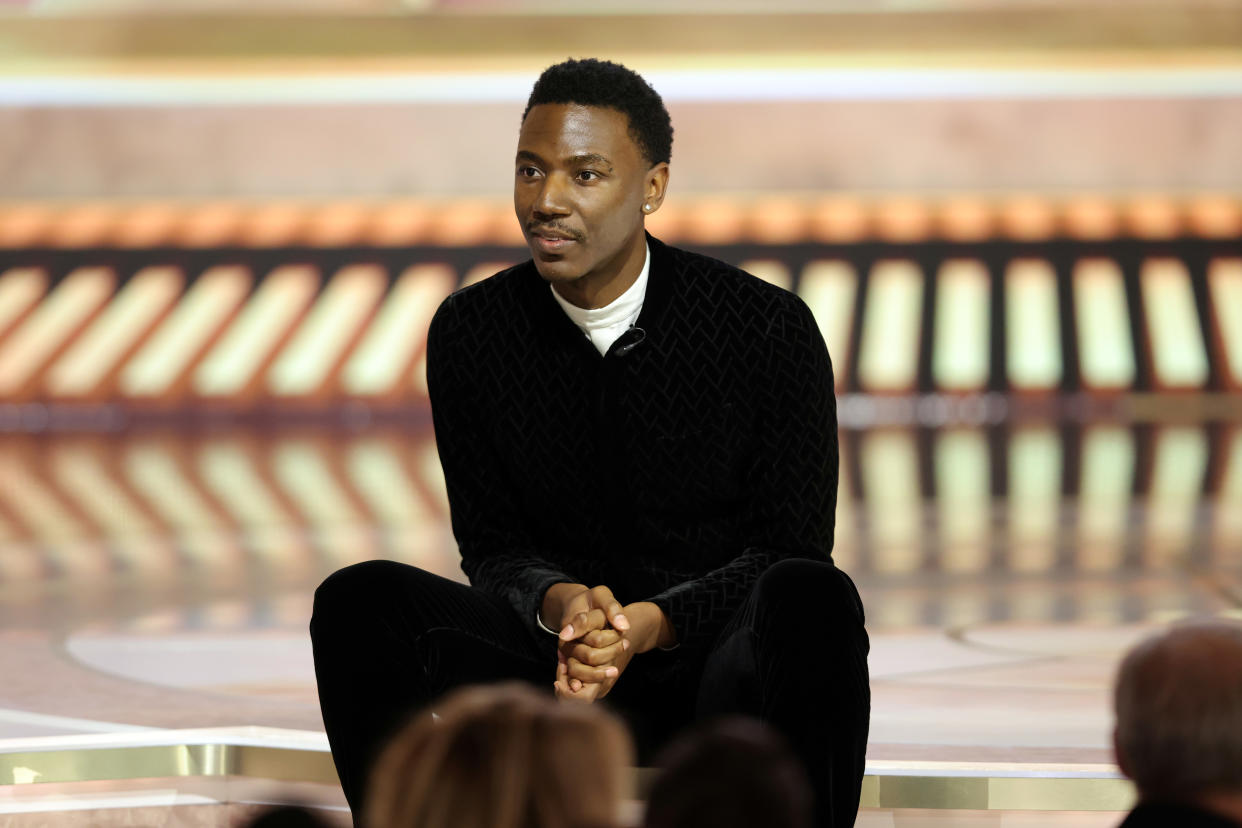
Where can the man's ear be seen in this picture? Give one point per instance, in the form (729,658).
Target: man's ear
(655,186)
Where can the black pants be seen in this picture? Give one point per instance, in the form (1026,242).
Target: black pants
(390,638)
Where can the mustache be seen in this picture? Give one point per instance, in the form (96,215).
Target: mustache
(534,229)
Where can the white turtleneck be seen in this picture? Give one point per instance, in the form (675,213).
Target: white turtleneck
(603,326)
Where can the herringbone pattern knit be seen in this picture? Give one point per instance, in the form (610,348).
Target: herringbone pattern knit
(676,470)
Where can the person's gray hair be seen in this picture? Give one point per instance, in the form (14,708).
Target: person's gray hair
(1178,700)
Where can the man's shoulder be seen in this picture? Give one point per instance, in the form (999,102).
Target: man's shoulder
(716,283)
(490,299)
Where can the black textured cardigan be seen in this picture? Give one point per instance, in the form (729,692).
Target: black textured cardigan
(674,469)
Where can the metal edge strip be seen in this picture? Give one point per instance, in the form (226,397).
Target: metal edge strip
(880,790)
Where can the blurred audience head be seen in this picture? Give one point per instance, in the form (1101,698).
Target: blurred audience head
(502,756)
(1178,701)
(733,772)
(288,816)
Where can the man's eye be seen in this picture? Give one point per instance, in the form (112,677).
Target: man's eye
(589,175)
(527,172)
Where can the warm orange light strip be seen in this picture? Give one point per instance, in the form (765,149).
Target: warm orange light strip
(702,219)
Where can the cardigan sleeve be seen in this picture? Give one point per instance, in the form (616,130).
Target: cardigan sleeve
(498,554)
(791,482)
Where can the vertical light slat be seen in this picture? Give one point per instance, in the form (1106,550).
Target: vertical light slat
(1032,333)
(318,345)
(434,551)
(1227,525)
(307,478)
(52,326)
(431,475)
(1104,497)
(1176,486)
(304,475)
(1225,279)
(387,350)
(1104,345)
(1036,604)
(81,475)
(960,352)
(888,358)
(19,560)
(76,550)
(845,539)
(381,479)
(1034,498)
(8,534)
(829,288)
(894,502)
(96,354)
(231,366)
(229,472)
(21,288)
(1179,359)
(180,339)
(155,475)
(961,608)
(963,499)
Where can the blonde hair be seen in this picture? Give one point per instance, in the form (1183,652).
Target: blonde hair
(502,756)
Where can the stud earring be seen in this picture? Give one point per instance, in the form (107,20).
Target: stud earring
(646,208)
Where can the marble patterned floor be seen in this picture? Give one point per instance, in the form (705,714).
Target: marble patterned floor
(159,581)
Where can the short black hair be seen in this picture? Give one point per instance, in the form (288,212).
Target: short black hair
(591,82)
(731,773)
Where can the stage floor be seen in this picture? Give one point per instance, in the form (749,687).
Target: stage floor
(163,581)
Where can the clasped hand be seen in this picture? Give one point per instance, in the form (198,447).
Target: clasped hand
(598,637)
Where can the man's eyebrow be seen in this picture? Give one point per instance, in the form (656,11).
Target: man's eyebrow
(579,160)
(591,158)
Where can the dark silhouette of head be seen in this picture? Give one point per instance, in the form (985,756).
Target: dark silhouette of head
(1178,700)
(733,773)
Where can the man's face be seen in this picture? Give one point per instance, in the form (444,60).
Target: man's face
(579,191)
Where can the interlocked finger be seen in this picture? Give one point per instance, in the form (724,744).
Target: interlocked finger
(583,623)
(588,674)
(602,597)
(601,638)
(597,656)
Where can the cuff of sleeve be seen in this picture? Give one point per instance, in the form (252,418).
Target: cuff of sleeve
(662,602)
(529,599)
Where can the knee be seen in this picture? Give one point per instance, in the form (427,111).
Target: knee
(810,594)
(346,594)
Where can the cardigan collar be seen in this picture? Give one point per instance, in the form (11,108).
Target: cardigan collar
(552,318)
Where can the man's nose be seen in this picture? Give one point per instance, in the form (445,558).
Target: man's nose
(552,200)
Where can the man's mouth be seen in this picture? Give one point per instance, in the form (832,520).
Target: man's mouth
(549,240)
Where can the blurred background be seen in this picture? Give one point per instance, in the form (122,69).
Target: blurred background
(224,227)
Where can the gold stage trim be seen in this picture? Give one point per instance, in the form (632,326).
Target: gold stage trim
(887,785)
(165,762)
(986,792)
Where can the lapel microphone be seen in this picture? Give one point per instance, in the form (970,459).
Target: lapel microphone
(635,337)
